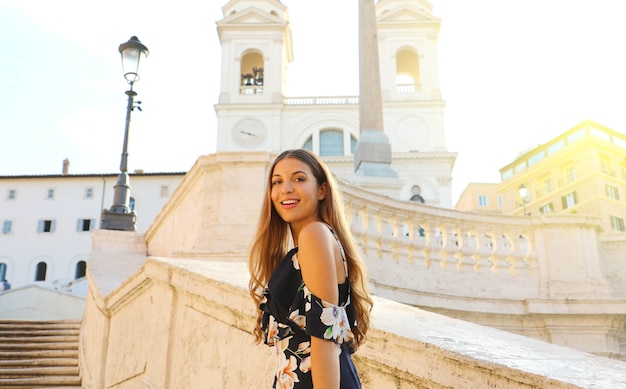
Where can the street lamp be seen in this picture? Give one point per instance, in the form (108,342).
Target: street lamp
(120,216)
(523,192)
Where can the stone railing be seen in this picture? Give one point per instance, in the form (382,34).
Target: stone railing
(322,100)
(508,255)
(544,276)
(186,323)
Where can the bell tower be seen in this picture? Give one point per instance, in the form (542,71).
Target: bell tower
(256,48)
(408,33)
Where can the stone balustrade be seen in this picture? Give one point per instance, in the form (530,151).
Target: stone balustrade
(322,100)
(543,276)
(186,323)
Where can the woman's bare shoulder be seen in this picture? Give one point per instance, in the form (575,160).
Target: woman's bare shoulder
(317,260)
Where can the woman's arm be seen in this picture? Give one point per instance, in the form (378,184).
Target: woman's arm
(316,256)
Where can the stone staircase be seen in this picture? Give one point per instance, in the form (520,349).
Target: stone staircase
(39,354)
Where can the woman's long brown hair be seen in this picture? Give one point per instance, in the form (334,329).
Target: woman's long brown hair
(272,241)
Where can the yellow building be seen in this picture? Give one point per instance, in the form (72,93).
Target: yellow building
(580,171)
(480,196)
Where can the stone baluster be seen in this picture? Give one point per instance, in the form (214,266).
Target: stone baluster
(484,245)
(449,245)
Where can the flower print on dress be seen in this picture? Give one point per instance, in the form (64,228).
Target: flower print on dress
(294,261)
(305,364)
(307,297)
(271,332)
(304,348)
(336,319)
(297,318)
(287,376)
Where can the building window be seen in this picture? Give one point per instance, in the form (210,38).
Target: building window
(570,174)
(88,193)
(612,192)
(131,204)
(617,223)
(46,226)
(50,194)
(3,271)
(165,190)
(416,194)
(7,227)
(605,165)
(499,201)
(85,224)
(40,274)
(547,186)
(331,143)
(308,144)
(482,200)
(548,208)
(81,269)
(11,194)
(569,200)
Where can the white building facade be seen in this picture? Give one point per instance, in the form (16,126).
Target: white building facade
(47,221)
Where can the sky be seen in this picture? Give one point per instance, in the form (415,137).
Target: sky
(513,73)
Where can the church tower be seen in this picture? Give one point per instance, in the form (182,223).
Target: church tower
(408,32)
(256,48)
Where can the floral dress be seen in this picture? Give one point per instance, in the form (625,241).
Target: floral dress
(292,314)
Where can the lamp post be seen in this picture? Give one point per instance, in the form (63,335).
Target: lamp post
(120,216)
(523,192)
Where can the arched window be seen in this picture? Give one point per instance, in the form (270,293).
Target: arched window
(252,78)
(407,71)
(42,268)
(416,194)
(3,271)
(81,269)
(308,144)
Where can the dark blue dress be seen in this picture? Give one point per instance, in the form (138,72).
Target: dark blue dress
(292,314)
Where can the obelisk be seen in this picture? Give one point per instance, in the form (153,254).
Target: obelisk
(372,157)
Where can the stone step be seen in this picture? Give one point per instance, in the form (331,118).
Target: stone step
(73,345)
(41,382)
(30,362)
(39,322)
(38,354)
(39,339)
(39,371)
(16,333)
(32,325)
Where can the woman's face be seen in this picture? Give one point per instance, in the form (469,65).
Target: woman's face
(295,192)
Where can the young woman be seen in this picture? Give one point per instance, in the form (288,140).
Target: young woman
(307,277)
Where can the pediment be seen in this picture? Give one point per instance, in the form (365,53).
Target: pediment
(252,15)
(254,12)
(404,11)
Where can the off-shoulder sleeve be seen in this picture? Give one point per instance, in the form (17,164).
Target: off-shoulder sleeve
(320,318)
